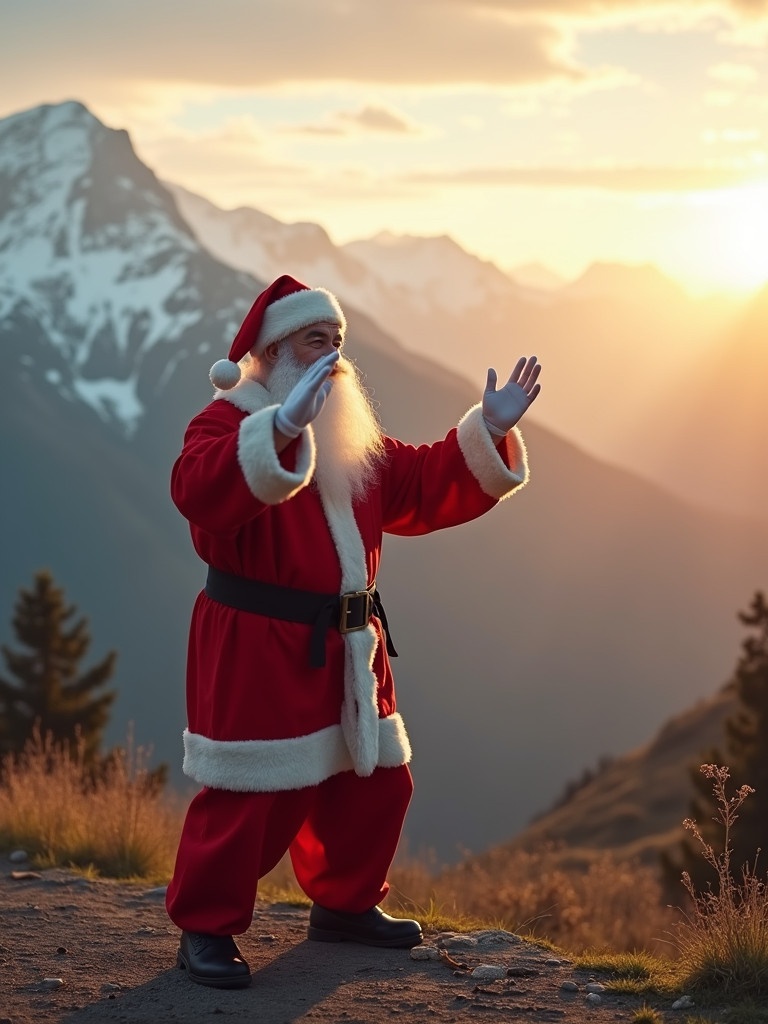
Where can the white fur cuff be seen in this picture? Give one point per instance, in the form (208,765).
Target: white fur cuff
(267,479)
(485,463)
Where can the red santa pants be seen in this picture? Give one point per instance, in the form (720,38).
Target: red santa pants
(342,836)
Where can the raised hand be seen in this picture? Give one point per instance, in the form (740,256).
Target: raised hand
(307,398)
(503,408)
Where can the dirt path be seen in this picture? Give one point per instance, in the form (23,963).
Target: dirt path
(113,948)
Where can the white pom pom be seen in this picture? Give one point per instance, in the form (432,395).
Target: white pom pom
(224,374)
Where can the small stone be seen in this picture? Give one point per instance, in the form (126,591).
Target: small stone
(594,986)
(569,986)
(24,876)
(593,999)
(496,937)
(111,986)
(425,953)
(53,983)
(489,971)
(268,938)
(552,962)
(459,942)
(683,1003)
(522,971)
(61,950)
(18,857)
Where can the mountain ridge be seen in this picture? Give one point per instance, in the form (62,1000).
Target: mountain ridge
(590,605)
(635,334)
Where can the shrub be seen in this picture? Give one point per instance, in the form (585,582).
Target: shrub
(723,938)
(114,823)
(532,893)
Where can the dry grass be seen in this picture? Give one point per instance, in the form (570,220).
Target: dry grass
(647,1015)
(723,940)
(117,826)
(120,827)
(610,903)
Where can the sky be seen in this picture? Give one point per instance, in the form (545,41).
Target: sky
(559,132)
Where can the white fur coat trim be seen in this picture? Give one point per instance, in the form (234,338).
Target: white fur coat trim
(485,463)
(267,478)
(253,766)
(359,710)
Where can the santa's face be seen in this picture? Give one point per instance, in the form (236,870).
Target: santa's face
(312,343)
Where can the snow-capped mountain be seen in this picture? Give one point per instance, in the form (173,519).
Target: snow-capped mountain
(94,252)
(254,242)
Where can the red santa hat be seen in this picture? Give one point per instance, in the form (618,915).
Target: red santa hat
(285,306)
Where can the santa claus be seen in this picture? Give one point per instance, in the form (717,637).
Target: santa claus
(293,732)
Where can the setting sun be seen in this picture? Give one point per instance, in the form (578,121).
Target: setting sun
(731,250)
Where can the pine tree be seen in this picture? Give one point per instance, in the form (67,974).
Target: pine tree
(744,754)
(45,689)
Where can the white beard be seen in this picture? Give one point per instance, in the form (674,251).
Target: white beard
(347,431)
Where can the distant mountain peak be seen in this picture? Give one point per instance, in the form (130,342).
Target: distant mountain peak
(630,281)
(54,114)
(536,275)
(94,253)
(456,279)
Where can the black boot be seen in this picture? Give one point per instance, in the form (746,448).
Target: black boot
(373,928)
(213,960)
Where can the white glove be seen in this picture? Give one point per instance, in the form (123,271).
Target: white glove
(503,408)
(307,398)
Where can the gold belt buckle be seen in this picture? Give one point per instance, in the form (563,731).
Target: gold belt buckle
(345,610)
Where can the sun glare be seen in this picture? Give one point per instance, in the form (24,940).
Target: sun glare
(732,250)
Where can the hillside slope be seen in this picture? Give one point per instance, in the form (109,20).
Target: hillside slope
(635,806)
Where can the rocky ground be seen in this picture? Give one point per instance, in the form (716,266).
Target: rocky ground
(97,952)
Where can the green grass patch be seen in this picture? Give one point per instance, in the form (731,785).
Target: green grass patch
(636,973)
(437,917)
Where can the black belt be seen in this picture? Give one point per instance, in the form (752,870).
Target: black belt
(347,612)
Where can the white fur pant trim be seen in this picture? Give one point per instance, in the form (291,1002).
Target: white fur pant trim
(253,766)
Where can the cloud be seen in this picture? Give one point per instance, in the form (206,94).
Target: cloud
(126,54)
(731,136)
(631,178)
(378,119)
(234,164)
(623,8)
(734,74)
(316,129)
(251,44)
(370,118)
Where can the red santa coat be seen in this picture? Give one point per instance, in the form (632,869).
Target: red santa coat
(260,717)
